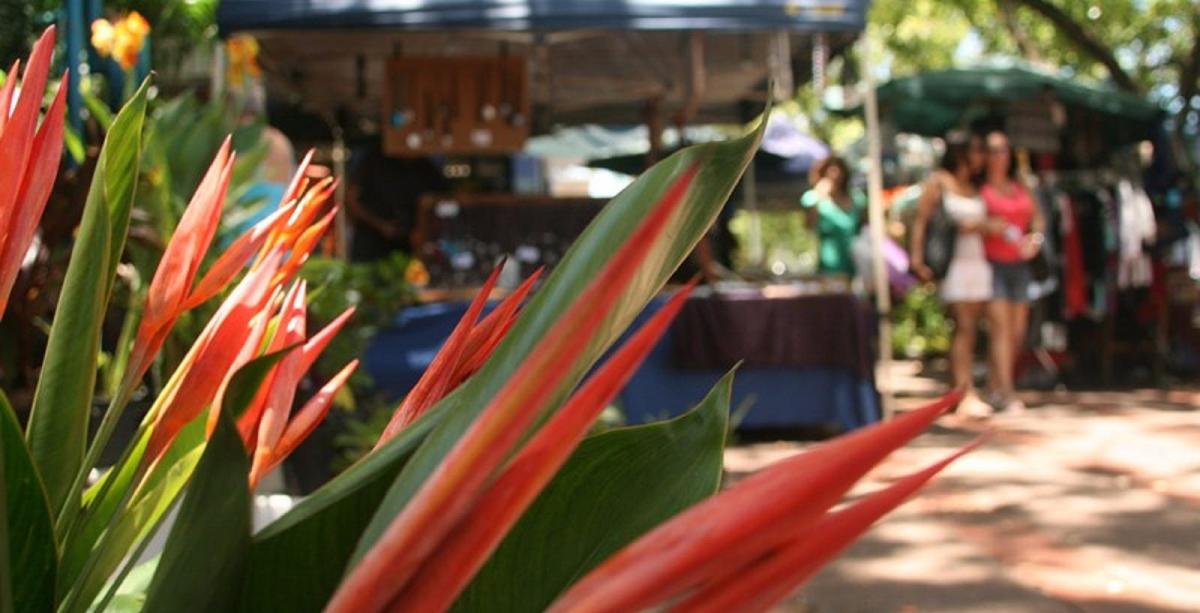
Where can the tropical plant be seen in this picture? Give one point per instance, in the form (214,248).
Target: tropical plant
(482,494)
(920,328)
(378,289)
(73,536)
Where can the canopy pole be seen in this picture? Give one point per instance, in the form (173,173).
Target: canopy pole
(883,297)
(750,200)
(654,128)
(341,154)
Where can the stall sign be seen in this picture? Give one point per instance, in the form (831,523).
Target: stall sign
(455,105)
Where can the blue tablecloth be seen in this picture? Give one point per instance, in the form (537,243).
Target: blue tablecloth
(780,397)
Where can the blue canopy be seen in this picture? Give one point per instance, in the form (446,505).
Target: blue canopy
(537,15)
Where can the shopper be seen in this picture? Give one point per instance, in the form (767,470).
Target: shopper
(1010,251)
(835,213)
(967,285)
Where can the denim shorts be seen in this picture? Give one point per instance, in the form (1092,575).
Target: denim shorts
(1011,281)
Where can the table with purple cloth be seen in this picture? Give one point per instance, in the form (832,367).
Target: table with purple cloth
(807,360)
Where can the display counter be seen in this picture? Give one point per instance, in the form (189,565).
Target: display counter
(806,355)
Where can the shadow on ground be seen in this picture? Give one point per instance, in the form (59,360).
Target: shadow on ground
(1090,502)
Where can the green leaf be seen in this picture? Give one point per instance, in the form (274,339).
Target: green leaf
(6,598)
(116,520)
(615,487)
(131,598)
(202,562)
(58,422)
(74,144)
(99,110)
(720,166)
(25,515)
(86,572)
(297,562)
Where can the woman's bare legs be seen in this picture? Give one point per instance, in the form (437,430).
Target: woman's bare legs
(1007,322)
(962,354)
(999,347)
(1018,317)
(962,347)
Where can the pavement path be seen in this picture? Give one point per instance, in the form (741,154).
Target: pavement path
(1088,502)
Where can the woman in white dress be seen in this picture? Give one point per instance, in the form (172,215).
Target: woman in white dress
(967,286)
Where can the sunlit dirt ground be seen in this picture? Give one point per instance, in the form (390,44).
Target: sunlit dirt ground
(1088,502)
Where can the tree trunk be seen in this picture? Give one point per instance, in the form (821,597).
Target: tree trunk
(1084,40)
(1008,13)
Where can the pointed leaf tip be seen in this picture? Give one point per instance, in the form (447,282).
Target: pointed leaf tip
(435,382)
(768,580)
(792,492)
(476,537)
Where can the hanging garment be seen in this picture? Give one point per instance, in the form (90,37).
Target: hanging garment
(1193,243)
(1089,218)
(1137,229)
(1075,296)
(1047,263)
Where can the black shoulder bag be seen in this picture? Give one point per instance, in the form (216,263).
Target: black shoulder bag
(941,232)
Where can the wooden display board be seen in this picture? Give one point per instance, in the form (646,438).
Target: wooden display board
(455,105)
(459,238)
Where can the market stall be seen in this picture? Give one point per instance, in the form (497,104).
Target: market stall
(1102,276)
(469,84)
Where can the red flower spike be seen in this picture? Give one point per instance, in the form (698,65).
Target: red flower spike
(447,494)
(435,382)
(44,156)
(293,188)
(250,348)
(304,245)
(21,200)
(6,93)
(317,342)
(172,281)
(17,138)
(488,333)
(218,348)
(248,423)
(181,260)
(305,421)
(278,406)
(312,199)
(731,529)
(476,537)
(234,258)
(769,580)
(309,202)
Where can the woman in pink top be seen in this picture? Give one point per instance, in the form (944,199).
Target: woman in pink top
(1009,250)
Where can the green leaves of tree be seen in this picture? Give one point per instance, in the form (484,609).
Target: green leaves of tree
(58,422)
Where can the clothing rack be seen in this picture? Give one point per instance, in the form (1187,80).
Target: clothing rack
(1107,180)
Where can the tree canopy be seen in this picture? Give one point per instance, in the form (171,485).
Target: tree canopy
(1147,47)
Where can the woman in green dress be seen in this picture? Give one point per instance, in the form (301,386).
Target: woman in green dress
(835,213)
